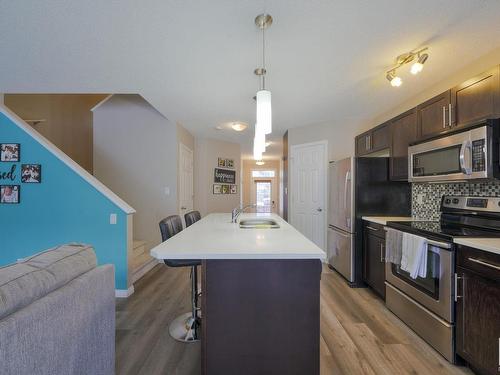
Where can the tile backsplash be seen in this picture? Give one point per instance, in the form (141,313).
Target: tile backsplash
(426,198)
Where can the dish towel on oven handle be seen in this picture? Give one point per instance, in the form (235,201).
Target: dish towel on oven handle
(393,246)
(414,255)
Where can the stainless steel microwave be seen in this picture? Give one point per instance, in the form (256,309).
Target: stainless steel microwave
(467,155)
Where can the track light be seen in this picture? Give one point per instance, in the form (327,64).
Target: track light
(419,64)
(394,79)
(404,59)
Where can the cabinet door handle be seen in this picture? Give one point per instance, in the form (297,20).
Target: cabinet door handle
(382,260)
(450,107)
(456,287)
(444,117)
(486,264)
(371,228)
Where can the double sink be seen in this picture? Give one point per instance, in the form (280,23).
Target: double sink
(259,224)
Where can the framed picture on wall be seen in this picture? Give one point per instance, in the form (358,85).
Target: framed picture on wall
(234,189)
(230,163)
(217,189)
(221,162)
(10,152)
(31,173)
(225,189)
(10,194)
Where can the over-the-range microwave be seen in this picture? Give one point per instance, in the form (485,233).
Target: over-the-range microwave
(461,156)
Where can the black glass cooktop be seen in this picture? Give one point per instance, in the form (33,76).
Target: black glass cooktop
(441,230)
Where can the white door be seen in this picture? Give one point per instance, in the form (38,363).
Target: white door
(308,165)
(185,179)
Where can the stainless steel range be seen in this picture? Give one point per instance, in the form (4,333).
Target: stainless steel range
(427,304)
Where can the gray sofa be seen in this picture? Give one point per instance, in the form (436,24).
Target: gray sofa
(57,314)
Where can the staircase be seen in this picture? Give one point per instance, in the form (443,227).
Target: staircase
(141,261)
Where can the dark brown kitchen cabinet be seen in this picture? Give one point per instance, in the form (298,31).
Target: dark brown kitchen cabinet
(478,309)
(434,115)
(476,99)
(404,132)
(381,138)
(363,144)
(374,257)
(374,140)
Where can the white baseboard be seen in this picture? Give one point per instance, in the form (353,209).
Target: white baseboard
(124,293)
(144,269)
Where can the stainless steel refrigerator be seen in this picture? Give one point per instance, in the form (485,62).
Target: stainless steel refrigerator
(357,187)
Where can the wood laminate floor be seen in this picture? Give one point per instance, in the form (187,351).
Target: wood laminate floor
(359,335)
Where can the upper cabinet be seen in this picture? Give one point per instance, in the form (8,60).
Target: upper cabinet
(404,132)
(363,143)
(464,105)
(374,140)
(476,99)
(434,116)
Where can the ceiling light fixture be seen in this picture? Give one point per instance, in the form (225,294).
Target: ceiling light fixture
(404,59)
(260,162)
(394,79)
(238,126)
(419,64)
(263,123)
(259,144)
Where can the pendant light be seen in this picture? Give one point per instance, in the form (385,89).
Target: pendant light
(263,123)
(259,143)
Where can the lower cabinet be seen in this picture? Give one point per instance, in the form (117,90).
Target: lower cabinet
(374,257)
(478,309)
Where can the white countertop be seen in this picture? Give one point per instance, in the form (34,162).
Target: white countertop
(491,245)
(382,220)
(215,237)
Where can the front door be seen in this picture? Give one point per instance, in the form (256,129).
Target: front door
(308,190)
(263,196)
(185,180)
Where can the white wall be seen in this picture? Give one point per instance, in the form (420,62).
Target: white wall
(207,152)
(135,155)
(340,138)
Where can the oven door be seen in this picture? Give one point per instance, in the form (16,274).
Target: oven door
(436,289)
(461,156)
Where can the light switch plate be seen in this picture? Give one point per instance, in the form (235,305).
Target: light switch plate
(112,219)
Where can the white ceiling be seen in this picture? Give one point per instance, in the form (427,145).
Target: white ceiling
(194,60)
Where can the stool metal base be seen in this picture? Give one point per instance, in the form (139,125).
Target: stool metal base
(182,328)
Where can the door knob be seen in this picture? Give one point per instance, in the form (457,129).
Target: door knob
(183,208)
(319,209)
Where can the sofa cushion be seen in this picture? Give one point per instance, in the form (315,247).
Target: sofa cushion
(40,274)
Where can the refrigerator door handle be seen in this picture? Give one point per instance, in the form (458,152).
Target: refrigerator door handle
(347,178)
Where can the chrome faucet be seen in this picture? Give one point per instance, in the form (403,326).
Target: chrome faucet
(237,211)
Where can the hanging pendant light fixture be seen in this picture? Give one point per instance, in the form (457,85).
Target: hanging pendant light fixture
(263,123)
(263,97)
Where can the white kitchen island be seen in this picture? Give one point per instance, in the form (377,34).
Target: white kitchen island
(260,295)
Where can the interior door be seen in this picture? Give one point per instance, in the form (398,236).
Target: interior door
(185,179)
(308,190)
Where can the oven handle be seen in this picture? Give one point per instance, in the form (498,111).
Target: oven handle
(440,244)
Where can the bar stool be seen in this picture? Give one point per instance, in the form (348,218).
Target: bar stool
(192,217)
(185,327)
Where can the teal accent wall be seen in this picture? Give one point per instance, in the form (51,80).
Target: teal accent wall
(63,208)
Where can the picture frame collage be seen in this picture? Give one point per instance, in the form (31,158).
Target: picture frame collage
(225,189)
(10,193)
(224,180)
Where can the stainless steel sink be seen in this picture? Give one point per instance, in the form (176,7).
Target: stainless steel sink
(259,224)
